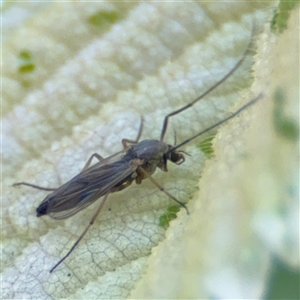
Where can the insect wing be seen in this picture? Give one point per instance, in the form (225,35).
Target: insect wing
(86,187)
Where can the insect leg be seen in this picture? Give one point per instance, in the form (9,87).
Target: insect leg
(34,186)
(121,187)
(161,188)
(84,232)
(165,124)
(53,189)
(125,142)
(98,156)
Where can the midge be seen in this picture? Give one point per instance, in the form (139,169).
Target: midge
(136,162)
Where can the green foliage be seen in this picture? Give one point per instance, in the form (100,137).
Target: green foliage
(282,14)
(26,62)
(284,125)
(283,282)
(206,146)
(164,220)
(26,68)
(25,55)
(101,18)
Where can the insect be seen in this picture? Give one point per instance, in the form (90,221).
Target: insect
(135,163)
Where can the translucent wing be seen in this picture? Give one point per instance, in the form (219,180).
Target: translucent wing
(88,186)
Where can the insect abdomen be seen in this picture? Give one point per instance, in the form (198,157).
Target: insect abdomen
(42,209)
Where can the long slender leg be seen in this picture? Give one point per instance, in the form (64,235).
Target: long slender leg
(161,188)
(84,232)
(165,124)
(125,142)
(35,186)
(99,157)
(121,187)
(96,155)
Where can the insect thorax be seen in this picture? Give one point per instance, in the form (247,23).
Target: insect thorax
(155,154)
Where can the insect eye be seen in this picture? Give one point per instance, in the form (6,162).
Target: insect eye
(176,158)
(180,160)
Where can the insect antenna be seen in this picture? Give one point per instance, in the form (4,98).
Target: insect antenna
(175,138)
(186,153)
(218,124)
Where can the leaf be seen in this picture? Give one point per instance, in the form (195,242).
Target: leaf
(87,91)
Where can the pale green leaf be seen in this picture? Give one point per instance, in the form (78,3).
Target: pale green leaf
(91,83)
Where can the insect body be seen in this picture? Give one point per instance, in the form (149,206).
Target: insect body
(136,162)
(88,186)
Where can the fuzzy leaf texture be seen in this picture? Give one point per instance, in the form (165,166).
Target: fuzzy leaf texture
(77,78)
